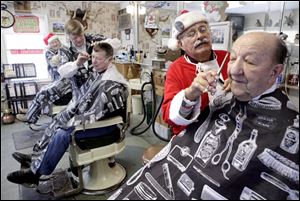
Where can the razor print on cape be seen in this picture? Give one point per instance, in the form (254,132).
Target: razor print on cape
(242,115)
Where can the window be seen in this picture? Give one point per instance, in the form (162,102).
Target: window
(27,48)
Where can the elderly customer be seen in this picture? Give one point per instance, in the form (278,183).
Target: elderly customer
(191,76)
(103,94)
(56,55)
(250,146)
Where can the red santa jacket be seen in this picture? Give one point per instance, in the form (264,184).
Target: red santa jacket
(180,76)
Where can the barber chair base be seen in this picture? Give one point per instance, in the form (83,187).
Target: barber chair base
(99,178)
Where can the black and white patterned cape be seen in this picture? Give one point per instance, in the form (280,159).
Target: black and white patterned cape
(236,150)
(54,91)
(64,57)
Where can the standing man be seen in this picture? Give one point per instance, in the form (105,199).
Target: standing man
(191,76)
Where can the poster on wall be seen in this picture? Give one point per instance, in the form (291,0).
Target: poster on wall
(26,24)
(166,31)
(58,28)
(220,34)
(22,6)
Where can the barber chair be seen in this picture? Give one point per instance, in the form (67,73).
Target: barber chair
(90,153)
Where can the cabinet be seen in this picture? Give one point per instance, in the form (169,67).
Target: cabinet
(159,78)
(19,93)
(129,70)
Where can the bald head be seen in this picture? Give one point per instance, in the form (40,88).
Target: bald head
(255,62)
(275,48)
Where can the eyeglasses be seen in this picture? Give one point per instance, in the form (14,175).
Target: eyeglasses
(192,33)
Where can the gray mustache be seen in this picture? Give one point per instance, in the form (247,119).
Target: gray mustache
(200,42)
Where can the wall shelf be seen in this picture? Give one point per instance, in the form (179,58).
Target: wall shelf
(293,87)
(289,87)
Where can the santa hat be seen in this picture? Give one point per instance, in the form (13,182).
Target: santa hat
(183,22)
(49,38)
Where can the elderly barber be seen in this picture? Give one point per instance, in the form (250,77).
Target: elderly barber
(191,76)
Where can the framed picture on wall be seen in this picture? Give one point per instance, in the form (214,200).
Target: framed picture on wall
(166,31)
(58,28)
(237,22)
(22,6)
(221,35)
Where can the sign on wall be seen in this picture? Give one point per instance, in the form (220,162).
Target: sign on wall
(27,24)
(27,51)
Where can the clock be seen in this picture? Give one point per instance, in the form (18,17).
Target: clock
(7,18)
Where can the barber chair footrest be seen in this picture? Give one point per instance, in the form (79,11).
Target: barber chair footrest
(99,177)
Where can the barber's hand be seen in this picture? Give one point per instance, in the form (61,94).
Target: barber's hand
(82,57)
(204,82)
(227,85)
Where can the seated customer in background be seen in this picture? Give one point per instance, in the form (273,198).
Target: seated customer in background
(245,145)
(105,92)
(56,55)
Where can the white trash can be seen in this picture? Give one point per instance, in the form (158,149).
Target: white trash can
(137,106)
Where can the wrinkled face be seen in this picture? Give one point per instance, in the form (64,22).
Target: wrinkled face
(77,40)
(196,41)
(55,44)
(251,66)
(100,61)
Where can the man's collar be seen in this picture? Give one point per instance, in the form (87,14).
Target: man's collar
(270,90)
(205,66)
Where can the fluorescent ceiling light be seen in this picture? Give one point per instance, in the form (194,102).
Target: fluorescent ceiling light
(129,9)
(142,10)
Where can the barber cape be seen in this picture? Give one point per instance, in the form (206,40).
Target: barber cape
(236,150)
(102,94)
(56,90)
(64,56)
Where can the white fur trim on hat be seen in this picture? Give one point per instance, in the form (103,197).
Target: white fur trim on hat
(52,38)
(183,22)
(173,44)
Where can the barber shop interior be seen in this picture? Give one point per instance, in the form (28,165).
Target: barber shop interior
(149,100)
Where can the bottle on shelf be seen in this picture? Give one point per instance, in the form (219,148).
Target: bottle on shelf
(293,76)
(138,56)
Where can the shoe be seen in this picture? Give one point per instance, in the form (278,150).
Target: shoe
(21,117)
(22,110)
(25,176)
(24,159)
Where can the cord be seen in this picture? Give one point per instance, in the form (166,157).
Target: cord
(152,122)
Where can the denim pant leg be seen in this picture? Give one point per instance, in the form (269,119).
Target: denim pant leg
(56,149)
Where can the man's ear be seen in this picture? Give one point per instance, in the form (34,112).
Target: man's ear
(180,45)
(277,69)
(108,60)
